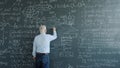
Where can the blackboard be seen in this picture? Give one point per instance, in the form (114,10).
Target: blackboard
(88,32)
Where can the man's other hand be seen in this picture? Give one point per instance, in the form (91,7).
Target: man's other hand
(34,58)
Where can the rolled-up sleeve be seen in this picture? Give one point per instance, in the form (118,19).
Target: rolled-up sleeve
(54,36)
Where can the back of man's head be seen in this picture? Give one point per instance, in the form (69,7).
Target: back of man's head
(42,29)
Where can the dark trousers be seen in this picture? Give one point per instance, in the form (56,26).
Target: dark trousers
(42,60)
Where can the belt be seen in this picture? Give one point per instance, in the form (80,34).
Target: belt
(42,53)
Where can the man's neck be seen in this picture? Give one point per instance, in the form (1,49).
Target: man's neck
(43,33)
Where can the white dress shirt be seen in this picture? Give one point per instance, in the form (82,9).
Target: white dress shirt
(41,43)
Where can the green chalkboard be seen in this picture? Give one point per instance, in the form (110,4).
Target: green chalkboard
(88,32)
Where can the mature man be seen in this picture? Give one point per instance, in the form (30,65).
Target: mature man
(41,47)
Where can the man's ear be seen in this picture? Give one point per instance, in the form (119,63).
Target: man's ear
(40,26)
(46,30)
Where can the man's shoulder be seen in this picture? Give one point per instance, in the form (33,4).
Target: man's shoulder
(37,36)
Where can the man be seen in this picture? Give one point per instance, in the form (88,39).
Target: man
(41,47)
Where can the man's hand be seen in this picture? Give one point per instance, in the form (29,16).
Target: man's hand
(34,58)
(54,29)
